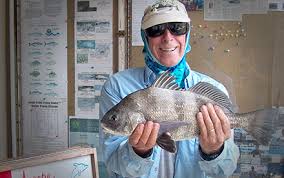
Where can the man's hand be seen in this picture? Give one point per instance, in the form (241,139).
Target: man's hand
(214,128)
(144,137)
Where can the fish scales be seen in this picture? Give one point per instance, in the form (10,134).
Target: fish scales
(185,108)
(171,105)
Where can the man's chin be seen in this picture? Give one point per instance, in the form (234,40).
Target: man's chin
(168,62)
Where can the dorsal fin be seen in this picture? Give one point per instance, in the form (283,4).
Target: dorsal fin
(213,93)
(167,81)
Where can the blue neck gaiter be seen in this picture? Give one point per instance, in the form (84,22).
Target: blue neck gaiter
(179,71)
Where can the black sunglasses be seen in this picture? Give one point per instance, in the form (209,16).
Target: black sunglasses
(176,28)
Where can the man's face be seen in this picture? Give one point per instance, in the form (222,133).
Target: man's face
(167,48)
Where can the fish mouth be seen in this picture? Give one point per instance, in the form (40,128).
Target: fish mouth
(107,130)
(110,131)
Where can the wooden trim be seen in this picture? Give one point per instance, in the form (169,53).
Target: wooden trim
(71,57)
(95,167)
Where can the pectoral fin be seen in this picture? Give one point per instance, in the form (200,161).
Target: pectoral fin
(166,142)
(168,126)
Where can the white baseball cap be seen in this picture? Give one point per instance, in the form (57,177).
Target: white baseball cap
(164,11)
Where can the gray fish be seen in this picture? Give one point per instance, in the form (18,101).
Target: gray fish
(175,110)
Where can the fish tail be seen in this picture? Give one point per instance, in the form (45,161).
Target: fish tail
(261,124)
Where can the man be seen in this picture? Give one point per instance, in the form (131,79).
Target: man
(166,33)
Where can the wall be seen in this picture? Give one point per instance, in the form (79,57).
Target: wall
(278,62)
(251,70)
(3,80)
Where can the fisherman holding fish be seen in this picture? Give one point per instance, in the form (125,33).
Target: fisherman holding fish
(158,144)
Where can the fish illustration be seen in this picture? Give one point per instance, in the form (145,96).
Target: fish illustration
(35,53)
(86,44)
(35,44)
(51,63)
(49,54)
(52,74)
(52,84)
(78,169)
(35,73)
(35,63)
(50,33)
(52,43)
(36,84)
(175,110)
(36,92)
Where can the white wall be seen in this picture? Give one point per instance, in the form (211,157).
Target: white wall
(3,78)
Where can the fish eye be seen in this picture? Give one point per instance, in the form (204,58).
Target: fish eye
(113,117)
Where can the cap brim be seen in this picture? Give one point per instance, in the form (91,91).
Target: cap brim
(159,19)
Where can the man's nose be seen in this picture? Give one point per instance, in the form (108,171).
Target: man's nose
(167,36)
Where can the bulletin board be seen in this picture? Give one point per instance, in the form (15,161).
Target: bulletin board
(73,162)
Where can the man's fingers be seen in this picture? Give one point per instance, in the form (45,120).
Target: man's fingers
(148,126)
(136,134)
(224,122)
(145,135)
(202,126)
(153,136)
(216,122)
(208,123)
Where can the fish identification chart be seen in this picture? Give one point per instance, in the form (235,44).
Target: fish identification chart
(44,75)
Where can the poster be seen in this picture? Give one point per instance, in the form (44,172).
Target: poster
(88,8)
(138,8)
(84,131)
(45,126)
(193,5)
(276,5)
(225,10)
(232,10)
(89,83)
(44,75)
(254,6)
(93,53)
